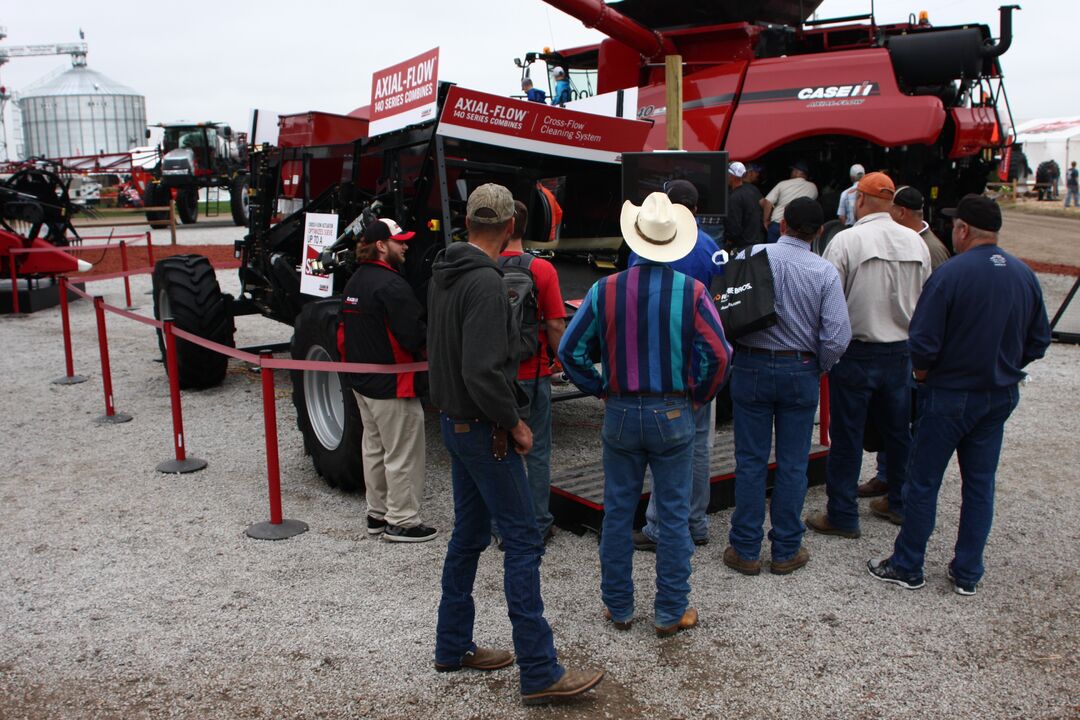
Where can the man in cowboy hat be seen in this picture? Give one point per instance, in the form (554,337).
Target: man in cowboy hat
(662,353)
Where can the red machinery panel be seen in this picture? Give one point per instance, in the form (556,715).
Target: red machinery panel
(976,128)
(787,98)
(708,97)
(319,128)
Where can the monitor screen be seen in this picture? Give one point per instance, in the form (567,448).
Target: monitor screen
(649,172)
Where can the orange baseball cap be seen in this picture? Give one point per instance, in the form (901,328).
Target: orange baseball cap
(877,184)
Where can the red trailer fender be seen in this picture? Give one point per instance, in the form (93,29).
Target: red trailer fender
(52,262)
(850,93)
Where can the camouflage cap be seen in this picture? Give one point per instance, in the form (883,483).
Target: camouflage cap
(491,204)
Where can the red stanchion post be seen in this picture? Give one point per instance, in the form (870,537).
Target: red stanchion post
(70,378)
(149,249)
(111,416)
(14,286)
(181,463)
(127,280)
(277,528)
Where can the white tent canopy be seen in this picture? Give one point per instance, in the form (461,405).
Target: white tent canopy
(1051,139)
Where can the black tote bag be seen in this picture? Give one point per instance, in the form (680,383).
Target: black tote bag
(745,298)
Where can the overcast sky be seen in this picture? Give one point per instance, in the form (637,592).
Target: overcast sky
(216,61)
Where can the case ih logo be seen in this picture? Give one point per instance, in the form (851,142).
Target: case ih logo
(829,92)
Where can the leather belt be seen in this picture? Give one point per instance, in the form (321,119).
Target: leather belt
(800,354)
(631,395)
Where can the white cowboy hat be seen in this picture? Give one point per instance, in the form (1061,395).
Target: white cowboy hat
(658,230)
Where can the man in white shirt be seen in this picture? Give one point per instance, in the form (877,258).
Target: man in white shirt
(845,212)
(882,266)
(772,207)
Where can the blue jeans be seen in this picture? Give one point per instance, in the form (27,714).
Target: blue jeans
(971,423)
(538,461)
(656,432)
(1074,195)
(767,392)
(486,490)
(772,234)
(700,488)
(877,372)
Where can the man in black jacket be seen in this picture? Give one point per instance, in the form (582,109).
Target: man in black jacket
(474,366)
(383,323)
(742,225)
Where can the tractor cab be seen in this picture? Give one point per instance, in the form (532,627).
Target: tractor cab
(580,66)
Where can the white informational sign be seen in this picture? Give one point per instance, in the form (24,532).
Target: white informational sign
(320,231)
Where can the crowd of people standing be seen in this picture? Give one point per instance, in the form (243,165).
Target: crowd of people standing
(884,312)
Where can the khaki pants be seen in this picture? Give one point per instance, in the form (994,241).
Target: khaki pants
(394,457)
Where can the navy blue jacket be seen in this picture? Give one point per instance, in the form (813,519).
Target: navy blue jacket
(979,321)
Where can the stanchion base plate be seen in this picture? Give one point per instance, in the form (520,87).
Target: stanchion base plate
(181,467)
(269,531)
(114,419)
(69,380)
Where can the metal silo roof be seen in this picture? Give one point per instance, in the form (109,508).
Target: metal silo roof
(77,81)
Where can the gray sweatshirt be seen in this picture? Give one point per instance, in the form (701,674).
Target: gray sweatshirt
(472,368)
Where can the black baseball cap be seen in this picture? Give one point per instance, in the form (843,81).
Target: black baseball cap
(804,215)
(978,211)
(908,197)
(682,192)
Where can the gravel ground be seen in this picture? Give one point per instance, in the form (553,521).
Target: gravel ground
(129,594)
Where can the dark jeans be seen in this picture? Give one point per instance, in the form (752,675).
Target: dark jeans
(868,373)
(657,432)
(486,490)
(767,392)
(970,423)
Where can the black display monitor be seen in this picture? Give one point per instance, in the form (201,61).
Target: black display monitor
(649,172)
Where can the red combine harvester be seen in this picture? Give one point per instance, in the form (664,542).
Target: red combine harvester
(925,104)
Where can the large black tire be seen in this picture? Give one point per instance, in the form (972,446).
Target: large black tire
(186,288)
(238,200)
(187,205)
(828,232)
(156,196)
(326,411)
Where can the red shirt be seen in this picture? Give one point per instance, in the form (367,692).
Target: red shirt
(550,306)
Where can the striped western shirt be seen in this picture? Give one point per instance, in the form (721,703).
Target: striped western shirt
(655,331)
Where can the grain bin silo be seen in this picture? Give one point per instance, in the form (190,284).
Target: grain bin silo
(81,112)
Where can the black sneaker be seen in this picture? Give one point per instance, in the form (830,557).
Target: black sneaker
(375,526)
(415,534)
(882,569)
(966,589)
(701,541)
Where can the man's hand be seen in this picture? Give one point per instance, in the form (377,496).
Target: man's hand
(522,437)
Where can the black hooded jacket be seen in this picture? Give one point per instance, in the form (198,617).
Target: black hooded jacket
(472,365)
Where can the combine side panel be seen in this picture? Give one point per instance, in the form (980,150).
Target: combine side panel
(708,101)
(844,93)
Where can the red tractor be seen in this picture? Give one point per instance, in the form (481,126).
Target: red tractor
(762,82)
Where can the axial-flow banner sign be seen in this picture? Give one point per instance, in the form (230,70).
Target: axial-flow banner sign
(498,120)
(404,94)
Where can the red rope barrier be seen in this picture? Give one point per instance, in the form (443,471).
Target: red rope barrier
(217,347)
(78,291)
(134,316)
(345,367)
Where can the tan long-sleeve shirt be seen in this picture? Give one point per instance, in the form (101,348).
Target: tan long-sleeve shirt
(882,267)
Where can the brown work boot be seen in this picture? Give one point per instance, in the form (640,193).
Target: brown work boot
(880,508)
(738,563)
(618,625)
(786,567)
(872,488)
(688,620)
(480,659)
(572,683)
(819,522)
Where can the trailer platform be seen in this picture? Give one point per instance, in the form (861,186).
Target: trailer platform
(577,494)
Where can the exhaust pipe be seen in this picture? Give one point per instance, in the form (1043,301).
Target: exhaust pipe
(993,50)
